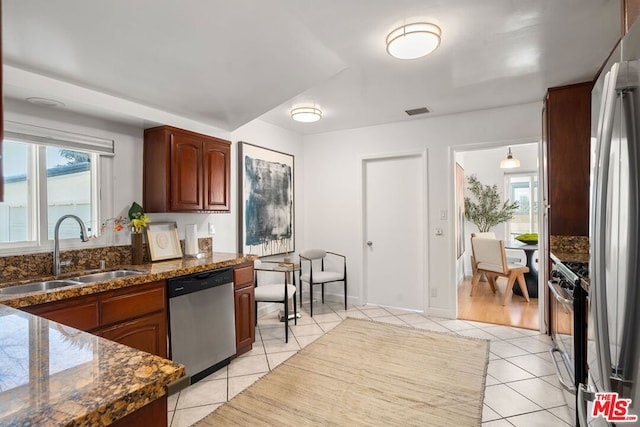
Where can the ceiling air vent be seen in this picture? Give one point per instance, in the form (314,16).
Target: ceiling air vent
(417,111)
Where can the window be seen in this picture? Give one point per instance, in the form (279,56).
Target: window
(48,174)
(523,188)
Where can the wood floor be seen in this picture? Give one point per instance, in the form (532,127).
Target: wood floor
(485,306)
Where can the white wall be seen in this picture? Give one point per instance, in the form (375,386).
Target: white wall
(333,183)
(266,135)
(328,177)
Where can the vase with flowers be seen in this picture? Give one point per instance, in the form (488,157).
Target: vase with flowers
(137,221)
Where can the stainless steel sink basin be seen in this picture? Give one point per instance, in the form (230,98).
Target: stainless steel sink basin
(37,286)
(106,275)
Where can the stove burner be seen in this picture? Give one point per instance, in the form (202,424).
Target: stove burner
(581,269)
(564,281)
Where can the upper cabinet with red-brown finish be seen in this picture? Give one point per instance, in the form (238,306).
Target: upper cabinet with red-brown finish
(185,171)
(630,13)
(567,138)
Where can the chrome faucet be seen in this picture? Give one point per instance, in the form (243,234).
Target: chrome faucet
(56,241)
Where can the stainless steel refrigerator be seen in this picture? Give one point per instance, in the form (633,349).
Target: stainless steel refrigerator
(613,347)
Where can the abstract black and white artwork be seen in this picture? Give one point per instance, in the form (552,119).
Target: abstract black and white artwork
(266,201)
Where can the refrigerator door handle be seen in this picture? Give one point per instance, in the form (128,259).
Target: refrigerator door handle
(599,296)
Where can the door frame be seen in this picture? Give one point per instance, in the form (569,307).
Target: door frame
(452,206)
(422,154)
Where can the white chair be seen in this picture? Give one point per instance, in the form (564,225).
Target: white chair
(492,235)
(491,260)
(277,293)
(322,273)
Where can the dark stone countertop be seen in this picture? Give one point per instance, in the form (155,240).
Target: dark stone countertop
(151,272)
(52,374)
(55,375)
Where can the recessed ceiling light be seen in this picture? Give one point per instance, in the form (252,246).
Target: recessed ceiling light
(45,102)
(413,41)
(306,114)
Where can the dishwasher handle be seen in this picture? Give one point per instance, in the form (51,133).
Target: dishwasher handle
(196,282)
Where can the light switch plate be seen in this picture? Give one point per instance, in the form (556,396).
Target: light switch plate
(212,229)
(443,214)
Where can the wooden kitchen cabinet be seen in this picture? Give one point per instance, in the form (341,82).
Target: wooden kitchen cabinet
(80,313)
(567,142)
(135,316)
(244,305)
(630,13)
(146,333)
(185,171)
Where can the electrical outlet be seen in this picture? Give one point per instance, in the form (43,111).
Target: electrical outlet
(212,229)
(439,231)
(434,293)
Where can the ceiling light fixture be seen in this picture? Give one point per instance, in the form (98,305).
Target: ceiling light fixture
(509,162)
(306,114)
(413,41)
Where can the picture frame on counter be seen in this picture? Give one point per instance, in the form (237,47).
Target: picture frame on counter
(163,241)
(267,201)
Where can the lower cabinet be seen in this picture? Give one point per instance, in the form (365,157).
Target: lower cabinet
(244,305)
(135,316)
(153,414)
(145,333)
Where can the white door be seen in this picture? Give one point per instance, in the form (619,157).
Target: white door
(394,194)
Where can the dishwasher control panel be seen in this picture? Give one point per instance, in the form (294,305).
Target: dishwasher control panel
(195,282)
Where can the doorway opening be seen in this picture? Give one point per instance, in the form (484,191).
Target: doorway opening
(520,185)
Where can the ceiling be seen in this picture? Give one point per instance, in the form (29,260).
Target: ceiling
(225,63)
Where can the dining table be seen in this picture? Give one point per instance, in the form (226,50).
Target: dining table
(531,277)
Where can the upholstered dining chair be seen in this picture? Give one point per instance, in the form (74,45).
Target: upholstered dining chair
(276,293)
(319,272)
(491,260)
(492,235)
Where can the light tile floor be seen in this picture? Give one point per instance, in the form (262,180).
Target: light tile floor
(521,390)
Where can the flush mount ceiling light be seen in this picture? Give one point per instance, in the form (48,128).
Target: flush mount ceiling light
(413,41)
(306,114)
(509,162)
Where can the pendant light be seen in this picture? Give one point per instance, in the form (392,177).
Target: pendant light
(509,162)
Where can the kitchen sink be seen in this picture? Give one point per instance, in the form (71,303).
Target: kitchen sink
(37,286)
(106,275)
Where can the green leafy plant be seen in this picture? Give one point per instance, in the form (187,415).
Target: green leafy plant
(485,209)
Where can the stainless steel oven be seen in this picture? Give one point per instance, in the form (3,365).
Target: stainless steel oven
(569,314)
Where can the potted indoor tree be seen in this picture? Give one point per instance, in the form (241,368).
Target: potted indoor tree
(484,208)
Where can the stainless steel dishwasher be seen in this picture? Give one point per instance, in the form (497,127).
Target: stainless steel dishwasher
(202,333)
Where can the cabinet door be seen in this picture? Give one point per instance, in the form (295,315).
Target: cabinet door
(245,319)
(80,313)
(217,176)
(130,303)
(568,132)
(148,333)
(186,173)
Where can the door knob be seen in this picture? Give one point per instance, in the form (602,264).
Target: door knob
(369,243)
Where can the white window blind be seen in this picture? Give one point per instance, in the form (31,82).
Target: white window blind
(23,132)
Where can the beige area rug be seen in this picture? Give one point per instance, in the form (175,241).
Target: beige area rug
(368,373)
